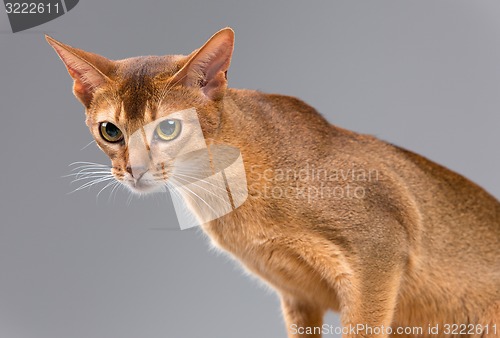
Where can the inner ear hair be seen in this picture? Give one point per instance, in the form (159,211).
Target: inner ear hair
(207,66)
(88,70)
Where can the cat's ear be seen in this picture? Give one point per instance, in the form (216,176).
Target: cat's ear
(88,70)
(207,66)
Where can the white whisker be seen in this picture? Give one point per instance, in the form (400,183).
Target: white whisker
(92,163)
(199,186)
(117,184)
(89,174)
(92,177)
(199,198)
(91,183)
(93,141)
(88,166)
(199,179)
(129,199)
(85,172)
(106,186)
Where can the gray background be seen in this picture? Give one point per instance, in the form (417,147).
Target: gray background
(422,74)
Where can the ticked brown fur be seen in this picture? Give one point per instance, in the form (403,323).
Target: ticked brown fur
(413,245)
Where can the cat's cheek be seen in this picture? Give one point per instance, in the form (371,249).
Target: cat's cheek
(118,174)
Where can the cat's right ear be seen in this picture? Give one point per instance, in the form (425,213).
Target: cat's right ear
(207,66)
(88,70)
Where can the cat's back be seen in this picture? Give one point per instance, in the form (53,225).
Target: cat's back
(291,122)
(440,188)
(444,196)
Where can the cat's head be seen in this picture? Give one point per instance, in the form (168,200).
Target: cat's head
(145,111)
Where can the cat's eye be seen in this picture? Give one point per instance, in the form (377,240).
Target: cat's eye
(167,130)
(110,132)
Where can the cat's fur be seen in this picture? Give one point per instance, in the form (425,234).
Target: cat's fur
(417,244)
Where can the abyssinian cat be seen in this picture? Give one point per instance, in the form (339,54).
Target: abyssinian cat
(334,220)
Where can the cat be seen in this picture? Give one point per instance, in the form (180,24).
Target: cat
(334,220)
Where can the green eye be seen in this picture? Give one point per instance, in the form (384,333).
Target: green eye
(110,132)
(167,130)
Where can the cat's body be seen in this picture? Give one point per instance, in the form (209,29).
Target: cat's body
(334,219)
(436,233)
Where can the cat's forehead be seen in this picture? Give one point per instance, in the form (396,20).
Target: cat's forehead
(150,66)
(139,83)
(144,75)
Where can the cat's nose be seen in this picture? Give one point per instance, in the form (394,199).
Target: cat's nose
(137,171)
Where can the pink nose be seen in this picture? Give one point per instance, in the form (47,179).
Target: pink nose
(137,171)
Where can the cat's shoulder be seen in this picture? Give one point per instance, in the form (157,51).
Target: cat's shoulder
(278,108)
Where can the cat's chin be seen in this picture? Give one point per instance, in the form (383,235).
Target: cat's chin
(143,188)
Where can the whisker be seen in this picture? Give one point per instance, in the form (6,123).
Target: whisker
(129,199)
(91,177)
(91,183)
(91,166)
(91,169)
(82,162)
(174,189)
(88,171)
(88,174)
(93,141)
(199,179)
(84,169)
(106,186)
(210,192)
(199,198)
(206,170)
(117,184)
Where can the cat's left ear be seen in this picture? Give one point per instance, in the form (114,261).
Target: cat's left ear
(88,70)
(207,67)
